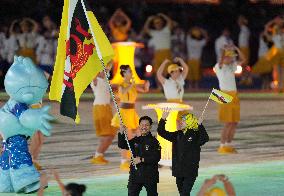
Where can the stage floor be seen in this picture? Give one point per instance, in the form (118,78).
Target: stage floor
(258,168)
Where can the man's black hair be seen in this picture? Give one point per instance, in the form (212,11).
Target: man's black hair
(146,118)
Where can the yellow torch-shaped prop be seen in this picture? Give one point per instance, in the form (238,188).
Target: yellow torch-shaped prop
(124,55)
(171,126)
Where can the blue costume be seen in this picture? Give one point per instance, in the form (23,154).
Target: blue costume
(26,85)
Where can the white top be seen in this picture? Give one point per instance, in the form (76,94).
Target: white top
(160,39)
(27,40)
(194,47)
(11,47)
(45,51)
(219,44)
(174,89)
(263,48)
(226,76)
(278,41)
(244,36)
(101,92)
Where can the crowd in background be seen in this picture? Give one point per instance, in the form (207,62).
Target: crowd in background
(193,34)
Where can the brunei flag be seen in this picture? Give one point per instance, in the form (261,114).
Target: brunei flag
(82,45)
(220,97)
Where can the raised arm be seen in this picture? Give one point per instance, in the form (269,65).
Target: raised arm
(112,18)
(11,29)
(143,88)
(146,27)
(169,21)
(34,23)
(59,182)
(228,185)
(127,19)
(170,136)
(206,185)
(160,76)
(184,66)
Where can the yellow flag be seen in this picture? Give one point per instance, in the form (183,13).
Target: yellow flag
(220,97)
(77,62)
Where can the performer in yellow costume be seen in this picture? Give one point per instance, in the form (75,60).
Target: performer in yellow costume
(120,25)
(28,38)
(229,113)
(274,29)
(263,67)
(102,116)
(160,37)
(173,87)
(127,93)
(195,41)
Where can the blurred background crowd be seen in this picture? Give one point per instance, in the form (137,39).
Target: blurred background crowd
(194,30)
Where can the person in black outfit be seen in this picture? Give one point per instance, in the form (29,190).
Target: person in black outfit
(186,144)
(147,153)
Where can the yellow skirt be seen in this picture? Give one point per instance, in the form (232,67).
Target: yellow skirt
(28,52)
(262,66)
(102,116)
(159,57)
(246,53)
(194,70)
(129,117)
(278,58)
(230,112)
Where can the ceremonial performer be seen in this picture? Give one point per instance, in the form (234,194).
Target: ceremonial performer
(127,92)
(102,115)
(229,113)
(173,85)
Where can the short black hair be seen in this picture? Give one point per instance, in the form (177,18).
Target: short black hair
(123,69)
(75,189)
(146,118)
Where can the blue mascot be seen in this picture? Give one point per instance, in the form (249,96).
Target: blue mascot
(26,85)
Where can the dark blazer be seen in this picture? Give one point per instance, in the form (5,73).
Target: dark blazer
(186,149)
(147,147)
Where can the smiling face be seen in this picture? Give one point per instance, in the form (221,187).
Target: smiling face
(175,74)
(128,74)
(145,127)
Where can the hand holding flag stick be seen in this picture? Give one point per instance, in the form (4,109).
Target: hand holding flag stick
(124,129)
(80,33)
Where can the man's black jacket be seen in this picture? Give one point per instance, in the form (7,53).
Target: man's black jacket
(146,147)
(186,149)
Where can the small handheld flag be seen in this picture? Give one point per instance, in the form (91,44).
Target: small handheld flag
(220,97)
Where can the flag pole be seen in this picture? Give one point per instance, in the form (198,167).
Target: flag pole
(109,85)
(205,106)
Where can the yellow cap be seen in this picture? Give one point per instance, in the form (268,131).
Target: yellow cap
(216,191)
(191,121)
(230,53)
(174,67)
